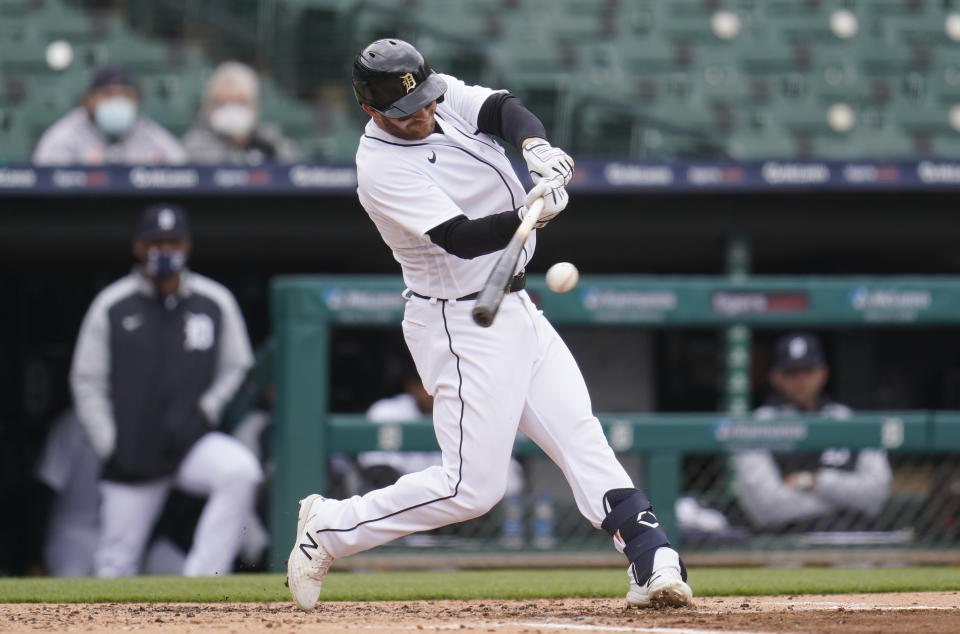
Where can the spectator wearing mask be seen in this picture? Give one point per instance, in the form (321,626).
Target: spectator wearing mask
(228,129)
(837,489)
(108,128)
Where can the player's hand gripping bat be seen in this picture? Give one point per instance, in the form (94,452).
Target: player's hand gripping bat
(488,301)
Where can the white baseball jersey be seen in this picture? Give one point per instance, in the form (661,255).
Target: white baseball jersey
(410,187)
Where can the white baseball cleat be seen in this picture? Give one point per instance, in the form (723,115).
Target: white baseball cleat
(664,589)
(309,561)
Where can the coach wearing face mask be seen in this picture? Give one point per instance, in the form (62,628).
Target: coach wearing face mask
(228,129)
(107,128)
(159,353)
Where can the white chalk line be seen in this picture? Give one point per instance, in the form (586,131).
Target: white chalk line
(820,605)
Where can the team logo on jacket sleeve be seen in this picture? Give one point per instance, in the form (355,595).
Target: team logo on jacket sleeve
(197,331)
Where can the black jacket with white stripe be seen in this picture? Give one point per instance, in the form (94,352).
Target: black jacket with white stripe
(150,375)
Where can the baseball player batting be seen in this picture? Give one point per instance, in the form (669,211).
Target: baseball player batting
(444,196)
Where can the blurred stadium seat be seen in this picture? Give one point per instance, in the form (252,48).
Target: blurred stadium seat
(755,78)
(16,142)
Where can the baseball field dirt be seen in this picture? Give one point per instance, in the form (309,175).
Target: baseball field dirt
(927,612)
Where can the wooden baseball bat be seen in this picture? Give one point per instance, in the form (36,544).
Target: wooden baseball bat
(488,301)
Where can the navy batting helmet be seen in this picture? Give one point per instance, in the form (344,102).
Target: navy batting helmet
(393,78)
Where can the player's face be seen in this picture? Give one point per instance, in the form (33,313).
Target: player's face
(417,126)
(800,386)
(142,248)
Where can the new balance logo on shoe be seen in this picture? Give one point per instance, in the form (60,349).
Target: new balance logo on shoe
(312,544)
(305,576)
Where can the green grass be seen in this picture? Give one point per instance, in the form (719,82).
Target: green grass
(477,584)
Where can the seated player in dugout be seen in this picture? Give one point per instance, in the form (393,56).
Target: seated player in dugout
(443,195)
(837,489)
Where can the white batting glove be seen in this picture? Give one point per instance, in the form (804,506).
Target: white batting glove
(546,161)
(555,199)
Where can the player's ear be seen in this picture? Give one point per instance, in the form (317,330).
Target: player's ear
(824,372)
(775,378)
(139,248)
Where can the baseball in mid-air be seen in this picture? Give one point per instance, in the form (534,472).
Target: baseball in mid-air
(562,276)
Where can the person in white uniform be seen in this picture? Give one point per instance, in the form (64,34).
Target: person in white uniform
(69,466)
(838,489)
(444,196)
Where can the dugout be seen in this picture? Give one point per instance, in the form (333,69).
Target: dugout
(306,431)
(58,247)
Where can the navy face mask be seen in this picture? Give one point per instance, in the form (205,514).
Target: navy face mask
(162,263)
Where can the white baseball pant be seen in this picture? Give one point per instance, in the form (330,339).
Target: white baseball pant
(217,466)
(485,381)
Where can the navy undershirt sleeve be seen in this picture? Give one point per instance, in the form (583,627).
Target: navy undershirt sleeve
(505,116)
(468,239)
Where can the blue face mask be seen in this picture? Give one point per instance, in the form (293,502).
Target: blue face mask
(115,116)
(162,263)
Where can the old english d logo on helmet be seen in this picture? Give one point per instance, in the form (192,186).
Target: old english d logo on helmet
(393,78)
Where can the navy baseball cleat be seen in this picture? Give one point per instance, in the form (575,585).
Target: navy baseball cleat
(665,589)
(309,561)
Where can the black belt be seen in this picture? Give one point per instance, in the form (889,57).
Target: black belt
(517,283)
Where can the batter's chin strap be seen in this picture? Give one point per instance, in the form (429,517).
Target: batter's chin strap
(630,521)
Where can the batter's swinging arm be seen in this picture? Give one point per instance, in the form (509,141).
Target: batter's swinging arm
(488,301)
